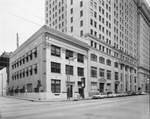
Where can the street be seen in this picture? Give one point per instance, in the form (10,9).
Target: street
(131,107)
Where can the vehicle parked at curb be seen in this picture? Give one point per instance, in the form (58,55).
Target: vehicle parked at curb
(119,94)
(99,96)
(111,95)
(143,93)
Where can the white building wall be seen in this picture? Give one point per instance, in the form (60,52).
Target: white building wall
(3,81)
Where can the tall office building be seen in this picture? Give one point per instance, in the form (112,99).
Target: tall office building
(144,45)
(110,28)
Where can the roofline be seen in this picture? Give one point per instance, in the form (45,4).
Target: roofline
(45,29)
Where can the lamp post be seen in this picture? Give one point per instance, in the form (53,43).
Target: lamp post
(2,84)
(68,78)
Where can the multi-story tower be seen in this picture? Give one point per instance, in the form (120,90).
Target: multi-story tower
(110,28)
(144,45)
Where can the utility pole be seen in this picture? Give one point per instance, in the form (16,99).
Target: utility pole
(68,78)
(17,40)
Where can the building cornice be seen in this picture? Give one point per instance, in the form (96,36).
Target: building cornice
(65,38)
(141,67)
(144,10)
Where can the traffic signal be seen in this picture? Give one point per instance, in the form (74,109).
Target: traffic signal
(83,82)
(39,84)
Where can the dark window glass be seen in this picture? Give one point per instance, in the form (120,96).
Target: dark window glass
(80,58)
(80,71)
(55,86)
(55,51)
(93,72)
(55,67)
(69,54)
(93,57)
(69,70)
(101,72)
(108,74)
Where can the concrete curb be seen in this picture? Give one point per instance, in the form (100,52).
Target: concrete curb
(36,100)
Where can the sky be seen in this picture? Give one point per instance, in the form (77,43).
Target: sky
(24,17)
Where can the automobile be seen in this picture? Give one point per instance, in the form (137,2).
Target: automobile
(119,94)
(133,93)
(124,94)
(99,96)
(143,93)
(111,94)
(129,93)
(138,93)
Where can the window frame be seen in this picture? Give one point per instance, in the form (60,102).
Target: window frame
(55,86)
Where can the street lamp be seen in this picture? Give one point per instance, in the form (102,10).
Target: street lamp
(2,84)
(68,78)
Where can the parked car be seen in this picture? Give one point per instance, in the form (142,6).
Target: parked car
(119,94)
(133,93)
(129,93)
(124,94)
(138,93)
(143,93)
(111,95)
(99,96)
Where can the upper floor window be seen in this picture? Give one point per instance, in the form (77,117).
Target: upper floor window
(102,60)
(55,86)
(101,72)
(55,51)
(116,76)
(81,3)
(93,72)
(69,70)
(55,67)
(30,55)
(35,68)
(80,58)
(116,64)
(80,71)
(109,62)
(71,11)
(69,54)
(108,74)
(35,52)
(81,13)
(71,2)
(93,57)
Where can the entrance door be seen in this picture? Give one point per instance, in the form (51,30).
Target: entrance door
(116,88)
(101,87)
(71,91)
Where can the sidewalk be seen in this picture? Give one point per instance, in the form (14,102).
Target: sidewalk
(38,100)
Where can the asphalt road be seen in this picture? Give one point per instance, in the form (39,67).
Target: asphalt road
(131,107)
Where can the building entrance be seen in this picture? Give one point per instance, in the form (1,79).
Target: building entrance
(101,87)
(116,88)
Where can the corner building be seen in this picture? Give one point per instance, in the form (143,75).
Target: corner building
(44,57)
(110,29)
